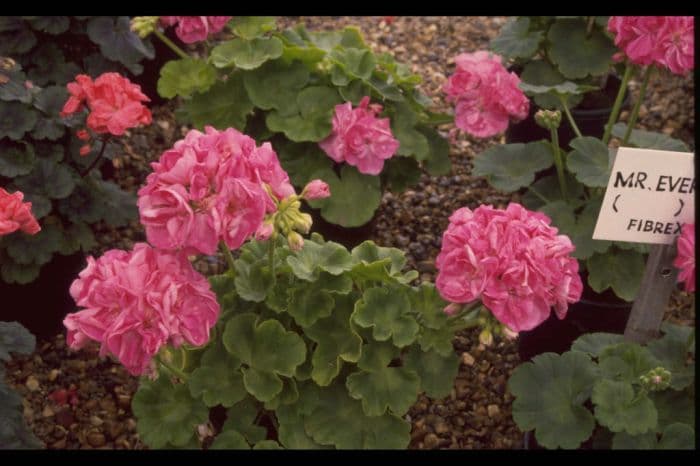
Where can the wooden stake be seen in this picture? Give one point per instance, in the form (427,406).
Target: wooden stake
(658,283)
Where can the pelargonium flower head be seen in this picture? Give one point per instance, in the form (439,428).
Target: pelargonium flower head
(137,301)
(359,138)
(316,189)
(191,29)
(685,258)
(16,215)
(485,94)
(512,260)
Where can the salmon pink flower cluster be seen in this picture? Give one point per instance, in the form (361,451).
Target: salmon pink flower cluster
(512,260)
(685,259)
(359,138)
(16,215)
(209,187)
(667,41)
(486,95)
(191,29)
(137,301)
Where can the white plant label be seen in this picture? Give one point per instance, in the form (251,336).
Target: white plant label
(650,195)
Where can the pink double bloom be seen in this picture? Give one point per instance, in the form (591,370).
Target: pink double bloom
(191,29)
(685,259)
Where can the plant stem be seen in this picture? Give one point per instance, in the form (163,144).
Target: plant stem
(559,163)
(637,105)
(538,194)
(229,257)
(457,326)
(97,159)
(173,370)
(589,26)
(569,116)
(618,103)
(271,255)
(170,44)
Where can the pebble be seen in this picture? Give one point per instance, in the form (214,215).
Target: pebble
(47,412)
(96,421)
(431,441)
(96,439)
(441,427)
(53,374)
(493,410)
(32,383)
(467,359)
(59,444)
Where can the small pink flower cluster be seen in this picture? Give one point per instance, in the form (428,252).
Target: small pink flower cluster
(685,260)
(487,96)
(210,186)
(138,301)
(668,41)
(16,215)
(191,29)
(360,138)
(512,260)
(114,103)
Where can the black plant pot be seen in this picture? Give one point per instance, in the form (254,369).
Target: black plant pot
(348,237)
(42,304)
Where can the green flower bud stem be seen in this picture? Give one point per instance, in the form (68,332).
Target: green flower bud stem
(618,103)
(538,194)
(172,369)
(229,257)
(170,44)
(570,118)
(635,110)
(464,324)
(559,163)
(468,311)
(98,158)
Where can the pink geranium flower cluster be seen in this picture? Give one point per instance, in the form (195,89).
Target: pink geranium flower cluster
(137,301)
(512,260)
(487,96)
(191,29)
(667,41)
(685,260)
(16,215)
(360,138)
(209,187)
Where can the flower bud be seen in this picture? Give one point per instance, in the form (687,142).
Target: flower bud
(264,231)
(548,119)
(85,150)
(486,337)
(82,134)
(452,309)
(316,189)
(295,241)
(144,25)
(656,380)
(303,223)
(509,334)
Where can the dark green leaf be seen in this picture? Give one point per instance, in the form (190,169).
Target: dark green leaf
(250,27)
(576,53)
(276,85)
(386,311)
(395,388)
(402,173)
(595,343)
(51,24)
(437,372)
(542,73)
(14,338)
(308,304)
(224,105)
(12,272)
(590,161)
(619,409)
(246,54)
(184,77)
(15,161)
(677,437)
(438,161)
(117,41)
(241,417)
(330,257)
(625,441)
(217,379)
(229,440)
(34,249)
(516,40)
(649,139)
(16,119)
(510,167)
(621,270)
(49,178)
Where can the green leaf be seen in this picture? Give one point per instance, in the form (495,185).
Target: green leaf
(621,270)
(118,42)
(246,54)
(51,66)
(674,406)
(307,305)
(15,161)
(13,88)
(357,63)
(579,230)
(166,413)
(625,441)
(288,395)
(509,167)
(594,343)
(313,121)
(259,345)
(516,40)
(590,161)
(184,77)
(649,139)
(368,252)
(330,257)
(253,276)
(34,249)
(336,342)
(14,338)
(677,437)
(549,394)
(354,197)
(376,356)
(565,88)
(291,430)
(304,160)
(394,388)
(229,440)
(434,334)
(437,372)
(262,385)
(355,90)
(50,101)
(576,53)
(548,187)
(542,73)
(16,39)
(618,409)
(412,142)
(16,119)
(276,85)
(241,417)
(350,36)
(76,237)
(626,362)
(41,206)
(267,445)
(402,173)
(250,27)
(217,379)
(50,24)
(339,420)
(224,105)
(12,272)
(386,311)
(672,352)
(438,162)
(49,178)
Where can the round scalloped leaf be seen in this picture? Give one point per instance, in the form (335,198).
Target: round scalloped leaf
(579,230)
(434,334)
(515,40)
(41,205)
(619,269)
(394,388)
(509,167)
(246,54)
(242,418)
(672,351)
(339,420)
(250,27)
(118,42)
(262,385)
(15,161)
(368,252)
(50,24)
(253,276)
(259,345)
(548,187)
(354,91)
(291,430)
(16,119)
(386,311)
(50,101)
(49,178)
(437,373)
(354,197)
(625,441)
(304,160)
(51,66)
(590,161)
(563,89)
(229,440)
(617,408)
(649,139)
(626,362)
(308,304)
(357,63)
(34,249)
(217,380)
(14,338)
(313,121)
(276,85)
(17,42)
(288,395)
(594,343)
(376,355)
(438,161)
(224,105)
(12,272)
(576,53)
(12,86)
(330,257)
(677,437)
(549,394)
(166,413)
(411,141)
(541,72)
(184,77)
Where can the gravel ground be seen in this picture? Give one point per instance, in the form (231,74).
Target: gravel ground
(76,400)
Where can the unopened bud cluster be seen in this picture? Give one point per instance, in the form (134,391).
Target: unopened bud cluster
(144,25)
(656,380)
(548,119)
